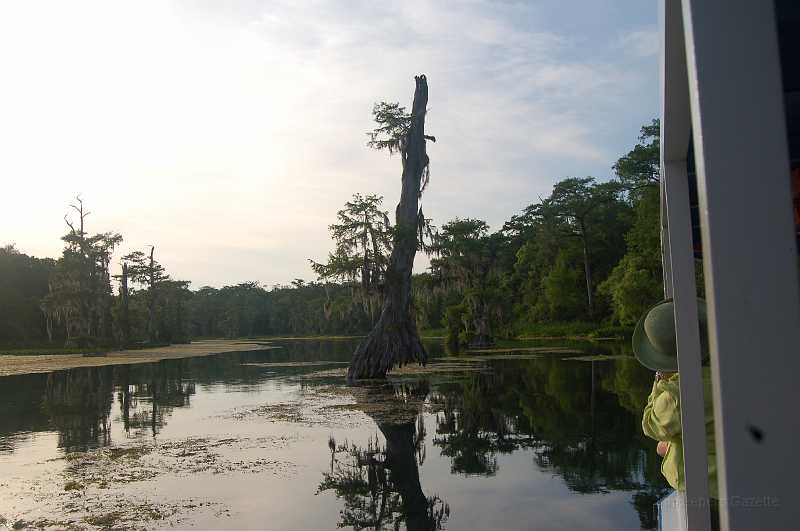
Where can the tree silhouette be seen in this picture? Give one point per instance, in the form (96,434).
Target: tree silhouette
(380,485)
(394,339)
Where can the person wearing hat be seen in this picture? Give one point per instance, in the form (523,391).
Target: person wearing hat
(655,347)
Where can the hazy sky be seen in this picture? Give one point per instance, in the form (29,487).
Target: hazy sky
(228,133)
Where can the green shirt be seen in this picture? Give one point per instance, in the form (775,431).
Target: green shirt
(662,421)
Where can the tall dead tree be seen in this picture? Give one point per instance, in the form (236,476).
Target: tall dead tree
(80,253)
(151,320)
(394,339)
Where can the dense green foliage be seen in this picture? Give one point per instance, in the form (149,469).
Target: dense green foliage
(363,238)
(363,243)
(588,254)
(585,258)
(246,309)
(23,285)
(70,302)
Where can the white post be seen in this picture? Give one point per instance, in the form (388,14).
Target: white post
(695,452)
(750,257)
(675,127)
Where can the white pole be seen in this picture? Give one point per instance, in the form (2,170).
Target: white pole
(695,452)
(675,124)
(750,257)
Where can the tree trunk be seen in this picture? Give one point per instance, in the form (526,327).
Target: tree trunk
(394,338)
(587,269)
(483,337)
(365,265)
(401,461)
(151,320)
(376,259)
(123,290)
(84,326)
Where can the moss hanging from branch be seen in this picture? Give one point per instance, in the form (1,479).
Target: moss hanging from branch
(394,339)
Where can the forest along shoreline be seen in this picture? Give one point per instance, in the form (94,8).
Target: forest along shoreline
(582,262)
(11,365)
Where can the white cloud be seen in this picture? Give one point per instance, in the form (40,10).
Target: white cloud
(230,133)
(641,42)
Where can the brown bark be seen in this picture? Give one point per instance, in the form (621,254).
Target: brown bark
(394,339)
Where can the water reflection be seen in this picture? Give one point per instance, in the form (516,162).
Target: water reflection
(20,409)
(380,484)
(579,419)
(575,421)
(77,403)
(147,405)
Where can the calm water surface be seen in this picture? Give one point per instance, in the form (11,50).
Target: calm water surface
(258,440)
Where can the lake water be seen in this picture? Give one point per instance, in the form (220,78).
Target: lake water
(273,440)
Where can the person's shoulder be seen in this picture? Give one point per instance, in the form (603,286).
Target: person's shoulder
(669,388)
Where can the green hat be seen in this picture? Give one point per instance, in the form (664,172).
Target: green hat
(654,343)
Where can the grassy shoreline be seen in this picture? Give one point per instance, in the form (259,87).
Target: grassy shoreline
(62,351)
(572,330)
(28,364)
(523,332)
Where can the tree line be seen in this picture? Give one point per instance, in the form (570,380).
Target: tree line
(75,302)
(586,256)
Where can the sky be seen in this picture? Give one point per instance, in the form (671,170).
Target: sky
(229,133)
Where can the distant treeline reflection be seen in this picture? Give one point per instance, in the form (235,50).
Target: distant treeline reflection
(579,419)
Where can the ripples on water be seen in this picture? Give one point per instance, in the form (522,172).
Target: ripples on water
(250,441)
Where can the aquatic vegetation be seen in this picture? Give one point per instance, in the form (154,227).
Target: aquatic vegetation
(597,357)
(295,364)
(95,483)
(142,451)
(45,362)
(543,350)
(407,370)
(104,520)
(73,485)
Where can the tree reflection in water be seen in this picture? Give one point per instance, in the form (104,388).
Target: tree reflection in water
(78,404)
(161,388)
(380,485)
(580,419)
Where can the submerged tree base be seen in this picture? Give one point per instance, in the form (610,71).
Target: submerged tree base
(384,348)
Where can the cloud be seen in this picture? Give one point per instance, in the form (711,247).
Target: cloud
(230,133)
(641,42)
